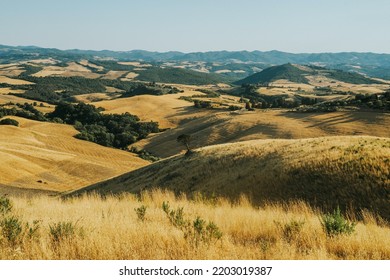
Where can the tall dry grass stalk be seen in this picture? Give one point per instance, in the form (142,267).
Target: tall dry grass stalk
(109,228)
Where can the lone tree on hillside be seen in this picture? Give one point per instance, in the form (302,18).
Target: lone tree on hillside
(185,139)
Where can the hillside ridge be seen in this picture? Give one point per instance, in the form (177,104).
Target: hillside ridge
(349,172)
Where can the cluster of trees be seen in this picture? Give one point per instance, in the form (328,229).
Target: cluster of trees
(144,154)
(250,96)
(149,88)
(368,101)
(55,89)
(111,130)
(350,77)
(374,101)
(29,70)
(110,65)
(209,93)
(180,76)
(25,110)
(8,121)
(202,104)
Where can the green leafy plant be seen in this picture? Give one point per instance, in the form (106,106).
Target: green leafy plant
(197,232)
(335,224)
(141,212)
(11,229)
(32,229)
(176,217)
(205,232)
(62,231)
(5,205)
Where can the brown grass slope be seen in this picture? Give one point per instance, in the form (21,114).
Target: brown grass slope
(350,172)
(46,156)
(228,127)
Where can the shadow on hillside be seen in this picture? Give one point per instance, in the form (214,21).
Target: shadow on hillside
(334,118)
(263,180)
(14,191)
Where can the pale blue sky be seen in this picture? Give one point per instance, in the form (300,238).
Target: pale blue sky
(199,25)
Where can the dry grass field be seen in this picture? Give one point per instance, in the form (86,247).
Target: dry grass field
(11,81)
(288,87)
(167,110)
(72,69)
(85,62)
(11,70)
(209,127)
(135,63)
(46,156)
(10,90)
(90,227)
(6,98)
(113,75)
(130,76)
(93,97)
(326,172)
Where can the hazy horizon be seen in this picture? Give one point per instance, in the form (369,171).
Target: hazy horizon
(300,26)
(187,52)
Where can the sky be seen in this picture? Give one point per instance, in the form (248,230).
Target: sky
(298,26)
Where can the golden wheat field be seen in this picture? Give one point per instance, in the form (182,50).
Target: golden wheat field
(136,227)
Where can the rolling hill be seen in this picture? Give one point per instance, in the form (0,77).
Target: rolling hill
(350,172)
(298,74)
(46,157)
(281,72)
(179,76)
(210,128)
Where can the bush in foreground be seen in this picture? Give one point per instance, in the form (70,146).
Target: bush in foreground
(335,224)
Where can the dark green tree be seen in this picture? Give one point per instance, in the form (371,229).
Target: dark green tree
(185,139)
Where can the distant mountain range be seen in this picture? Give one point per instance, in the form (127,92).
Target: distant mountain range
(267,57)
(372,64)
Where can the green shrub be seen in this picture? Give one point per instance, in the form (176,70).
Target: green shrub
(196,233)
(202,104)
(144,154)
(234,108)
(32,230)
(141,212)
(62,231)
(11,229)
(335,224)
(203,232)
(5,205)
(176,217)
(9,122)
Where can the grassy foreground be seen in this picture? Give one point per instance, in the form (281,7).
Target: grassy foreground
(91,227)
